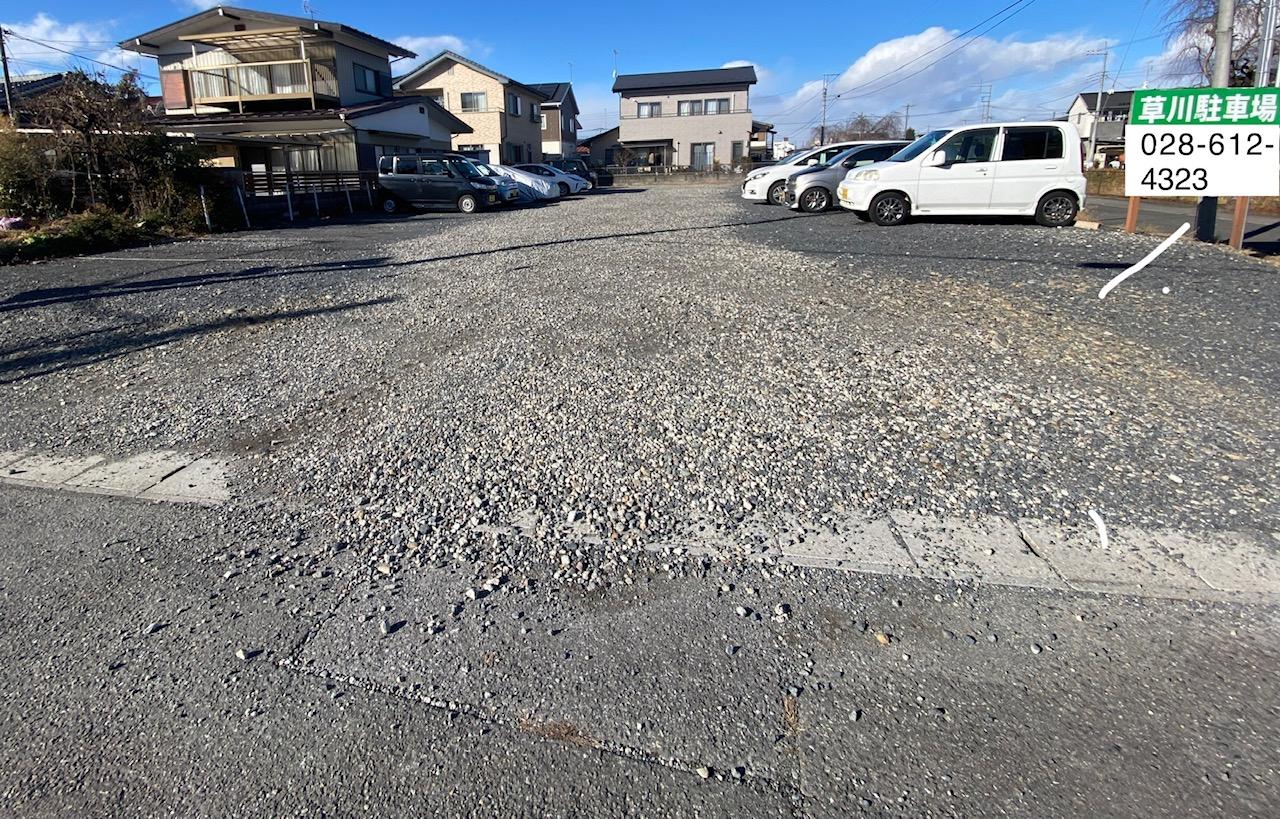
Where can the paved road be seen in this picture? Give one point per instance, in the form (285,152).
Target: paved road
(453,444)
(1262,235)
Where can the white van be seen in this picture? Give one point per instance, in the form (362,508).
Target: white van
(994,169)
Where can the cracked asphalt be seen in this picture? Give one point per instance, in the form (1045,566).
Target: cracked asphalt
(355,631)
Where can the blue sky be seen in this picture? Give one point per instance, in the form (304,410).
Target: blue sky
(882,56)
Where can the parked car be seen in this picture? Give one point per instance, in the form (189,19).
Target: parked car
(604,177)
(813,189)
(566,182)
(421,180)
(770,184)
(531,187)
(508,189)
(995,169)
(577,168)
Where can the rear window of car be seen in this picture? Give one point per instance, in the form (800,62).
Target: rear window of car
(1032,143)
(406,164)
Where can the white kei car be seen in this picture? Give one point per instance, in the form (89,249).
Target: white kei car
(566,182)
(769,184)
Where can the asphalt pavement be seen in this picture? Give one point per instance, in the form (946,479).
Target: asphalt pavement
(511,501)
(1262,231)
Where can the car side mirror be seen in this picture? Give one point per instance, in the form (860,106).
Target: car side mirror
(936,159)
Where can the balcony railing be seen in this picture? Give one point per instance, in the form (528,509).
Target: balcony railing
(675,114)
(247,82)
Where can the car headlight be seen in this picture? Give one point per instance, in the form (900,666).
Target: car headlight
(482,184)
(755,175)
(866,176)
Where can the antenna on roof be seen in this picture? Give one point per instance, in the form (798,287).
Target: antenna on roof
(309,9)
(570,72)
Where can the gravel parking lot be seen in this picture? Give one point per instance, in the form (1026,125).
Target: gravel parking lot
(648,366)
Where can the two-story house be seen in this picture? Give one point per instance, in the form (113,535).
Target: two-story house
(559,120)
(1109,122)
(272,92)
(504,116)
(686,118)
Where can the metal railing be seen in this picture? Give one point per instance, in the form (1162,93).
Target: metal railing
(238,82)
(280,183)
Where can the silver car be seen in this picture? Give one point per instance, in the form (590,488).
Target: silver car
(813,189)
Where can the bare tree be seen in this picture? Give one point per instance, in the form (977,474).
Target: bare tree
(1190,36)
(862,126)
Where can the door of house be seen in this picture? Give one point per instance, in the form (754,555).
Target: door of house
(704,155)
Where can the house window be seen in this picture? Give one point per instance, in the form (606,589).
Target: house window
(718,106)
(644,110)
(513,104)
(736,149)
(689,108)
(566,123)
(535,115)
(544,122)
(366,79)
(474,101)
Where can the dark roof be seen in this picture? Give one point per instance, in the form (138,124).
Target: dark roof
(555,92)
(738,75)
(232,11)
(1114,100)
(461,60)
(364,109)
(26,86)
(611,133)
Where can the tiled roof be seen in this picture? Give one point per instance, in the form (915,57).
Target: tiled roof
(26,86)
(738,75)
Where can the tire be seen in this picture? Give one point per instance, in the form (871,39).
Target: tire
(390,204)
(815,200)
(889,209)
(777,194)
(467,203)
(863,216)
(1057,209)
(564,188)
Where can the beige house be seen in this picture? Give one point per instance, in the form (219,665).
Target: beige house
(685,118)
(505,116)
(272,92)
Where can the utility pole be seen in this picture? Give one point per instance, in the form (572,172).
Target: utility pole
(1097,112)
(906,120)
(1267,47)
(1207,207)
(822,132)
(9,102)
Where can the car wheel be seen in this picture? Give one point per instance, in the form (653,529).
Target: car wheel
(564,189)
(815,200)
(467,203)
(390,204)
(777,194)
(890,208)
(1057,209)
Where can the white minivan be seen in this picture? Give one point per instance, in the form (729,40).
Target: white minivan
(994,169)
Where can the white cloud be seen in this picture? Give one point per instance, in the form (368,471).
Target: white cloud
(427,46)
(201,5)
(1028,78)
(59,46)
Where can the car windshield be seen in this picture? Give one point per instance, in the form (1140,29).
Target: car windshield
(840,157)
(918,147)
(465,169)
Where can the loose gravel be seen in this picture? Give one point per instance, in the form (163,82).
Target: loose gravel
(642,366)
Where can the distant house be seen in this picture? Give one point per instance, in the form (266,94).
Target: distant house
(559,119)
(504,116)
(27,87)
(761,145)
(601,149)
(686,118)
(1083,114)
(272,92)
(782,147)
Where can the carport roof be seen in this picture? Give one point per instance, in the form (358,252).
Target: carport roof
(349,112)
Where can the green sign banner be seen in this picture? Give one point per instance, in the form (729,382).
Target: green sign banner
(1205,106)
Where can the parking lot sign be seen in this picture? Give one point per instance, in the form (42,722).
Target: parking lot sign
(1203,142)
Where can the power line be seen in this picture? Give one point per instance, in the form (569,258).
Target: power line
(82,56)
